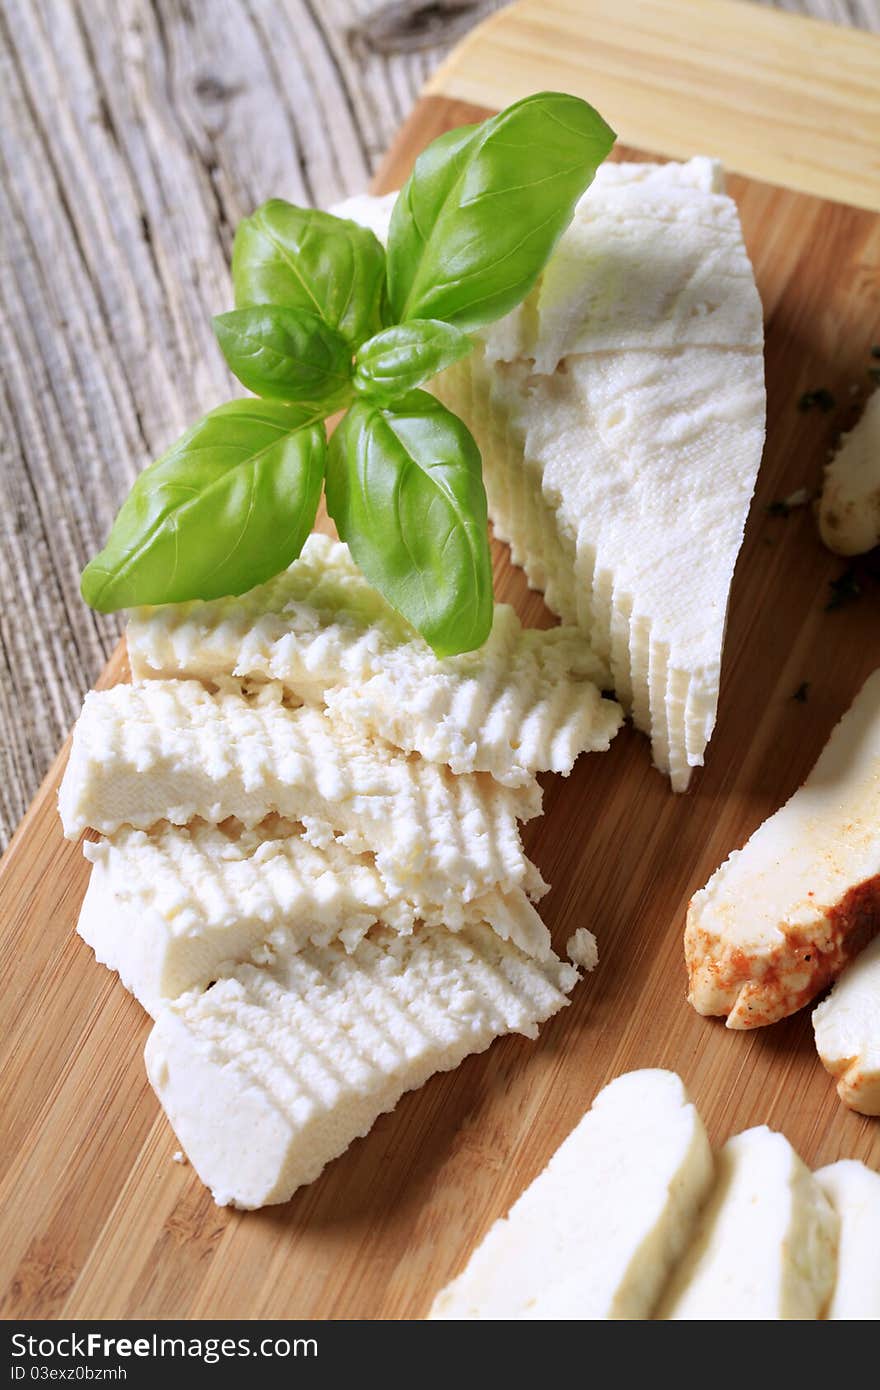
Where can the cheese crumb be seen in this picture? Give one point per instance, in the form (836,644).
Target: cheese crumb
(582,949)
(178,1156)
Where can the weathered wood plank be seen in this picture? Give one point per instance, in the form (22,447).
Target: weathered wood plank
(133,136)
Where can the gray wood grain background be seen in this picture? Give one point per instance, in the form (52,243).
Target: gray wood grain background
(133,136)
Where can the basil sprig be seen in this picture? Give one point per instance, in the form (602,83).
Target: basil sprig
(324,320)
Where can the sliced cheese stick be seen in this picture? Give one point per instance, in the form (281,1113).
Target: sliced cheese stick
(172,909)
(854,1192)
(847,1028)
(765,1246)
(782,916)
(171,750)
(620,416)
(527,701)
(275,1070)
(849,510)
(597,1232)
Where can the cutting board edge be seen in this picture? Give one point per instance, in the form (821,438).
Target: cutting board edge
(498,63)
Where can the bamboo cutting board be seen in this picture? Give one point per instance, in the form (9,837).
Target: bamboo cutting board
(97,1219)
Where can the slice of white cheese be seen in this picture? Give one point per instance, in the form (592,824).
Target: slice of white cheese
(781,917)
(171,750)
(849,510)
(765,1247)
(847,1028)
(528,701)
(620,415)
(172,909)
(275,1070)
(854,1192)
(597,1232)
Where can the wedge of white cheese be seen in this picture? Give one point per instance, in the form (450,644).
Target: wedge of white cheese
(847,1029)
(765,1246)
(276,1069)
(849,510)
(620,415)
(174,908)
(527,701)
(854,1192)
(781,917)
(596,1234)
(173,751)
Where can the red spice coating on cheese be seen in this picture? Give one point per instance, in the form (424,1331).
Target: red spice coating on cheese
(756,989)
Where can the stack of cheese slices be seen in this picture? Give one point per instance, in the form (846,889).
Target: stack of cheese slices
(635,1218)
(797,907)
(620,416)
(310,868)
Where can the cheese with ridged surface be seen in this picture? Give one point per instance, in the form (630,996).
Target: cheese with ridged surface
(597,1232)
(527,701)
(847,1029)
(171,750)
(766,1244)
(780,919)
(172,908)
(276,1069)
(620,415)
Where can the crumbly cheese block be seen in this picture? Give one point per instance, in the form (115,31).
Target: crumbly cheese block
(276,1069)
(849,509)
(620,415)
(171,750)
(765,1247)
(528,701)
(854,1192)
(597,1233)
(847,1028)
(781,917)
(173,908)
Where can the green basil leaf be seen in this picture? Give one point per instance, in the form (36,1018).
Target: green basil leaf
(302,258)
(288,354)
(480,215)
(405,489)
(401,358)
(227,507)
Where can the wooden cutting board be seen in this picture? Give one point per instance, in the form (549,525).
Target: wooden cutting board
(97,1219)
